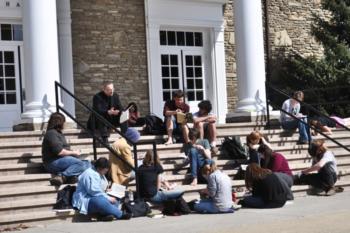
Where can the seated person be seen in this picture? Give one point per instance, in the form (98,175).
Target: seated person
(218,192)
(134,116)
(292,106)
(268,190)
(254,140)
(324,164)
(205,122)
(171,108)
(90,197)
(150,181)
(120,172)
(199,153)
(57,156)
(319,125)
(107,104)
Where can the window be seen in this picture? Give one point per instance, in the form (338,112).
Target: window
(11,32)
(181,38)
(7,78)
(170,75)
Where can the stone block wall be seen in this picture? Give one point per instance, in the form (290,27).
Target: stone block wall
(109,43)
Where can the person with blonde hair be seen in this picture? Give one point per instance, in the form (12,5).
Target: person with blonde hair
(325,164)
(218,192)
(268,190)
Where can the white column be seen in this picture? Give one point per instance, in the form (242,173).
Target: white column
(41,58)
(65,52)
(249,56)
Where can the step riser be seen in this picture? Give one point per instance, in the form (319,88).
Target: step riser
(31,195)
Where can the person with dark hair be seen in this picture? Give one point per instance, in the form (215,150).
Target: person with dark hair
(218,192)
(150,180)
(199,153)
(205,122)
(292,106)
(324,163)
(268,191)
(170,110)
(57,156)
(90,197)
(107,104)
(135,120)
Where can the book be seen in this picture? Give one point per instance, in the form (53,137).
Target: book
(124,116)
(117,190)
(183,118)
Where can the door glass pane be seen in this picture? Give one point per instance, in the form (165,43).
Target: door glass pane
(189,39)
(197,60)
(171,38)
(11,98)
(10,84)
(174,71)
(189,72)
(162,37)
(189,61)
(0,56)
(190,84)
(199,84)
(1,84)
(166,83)
(166,95)
(180,37)
(198,71)
(10,71)
(165,71)
(173,60)
(190,96)
(1,70)
(2,98)
(198,39)
(175,84)
(165,59)
(6,32)
(199,95)
(17,32)
(9,57)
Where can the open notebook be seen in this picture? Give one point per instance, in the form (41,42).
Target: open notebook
(117,190)
(124,116)
(183,118)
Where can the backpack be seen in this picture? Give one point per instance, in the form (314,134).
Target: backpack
(154,125)
(138,208)
(64,198)
(233,148)
(175,207)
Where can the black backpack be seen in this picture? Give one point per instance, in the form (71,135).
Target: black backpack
(233,148)
(138,208)
(64,198)
(154,125)
(176,207)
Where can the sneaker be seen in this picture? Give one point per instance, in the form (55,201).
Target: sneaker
(105,218)
(236,206)
(57,180)
(330,192)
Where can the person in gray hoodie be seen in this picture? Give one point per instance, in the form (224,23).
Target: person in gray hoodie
(218,192)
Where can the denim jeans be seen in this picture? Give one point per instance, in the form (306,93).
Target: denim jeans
(208,206)
(67,166)
(102,206)
(304,129)
(166,195)
(197,161)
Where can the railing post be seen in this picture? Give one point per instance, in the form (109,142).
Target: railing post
(268,125)
(93,136)
(136,172)
(56,97)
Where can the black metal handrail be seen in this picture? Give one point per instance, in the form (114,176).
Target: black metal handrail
(303,122)
(93,135)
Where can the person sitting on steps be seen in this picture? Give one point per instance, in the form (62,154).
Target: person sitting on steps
(171,108)
(57,156)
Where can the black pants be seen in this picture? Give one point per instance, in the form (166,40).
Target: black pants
(324,179)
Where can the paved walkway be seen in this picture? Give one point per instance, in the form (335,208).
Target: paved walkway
(304,215)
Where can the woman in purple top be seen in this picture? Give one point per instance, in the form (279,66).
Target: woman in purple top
(275,162)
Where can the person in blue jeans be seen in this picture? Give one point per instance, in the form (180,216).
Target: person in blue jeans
(150,180)
(218,192)
(57,156)
(199,153)
(292,106)
(90,197)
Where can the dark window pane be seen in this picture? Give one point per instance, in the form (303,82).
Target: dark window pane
(175,84)
(166,95)
(11,98)
(165,71)
(9,57)
(198,71)
(173,59)
(17,32)
(199,95)
(190,84)
(1,70)
(2,98)
(198,38)
(190,95)
(10,84)
(0,56)
(171,38)
(164,59)
(189,39)
(166,83)
(162,37)
(6,32)
(1,84)
(199,84)
(189,72)
(174,71)
(189,60)
(197,60)
(9,71)
(180,36)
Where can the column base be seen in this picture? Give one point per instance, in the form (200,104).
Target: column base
(258,117)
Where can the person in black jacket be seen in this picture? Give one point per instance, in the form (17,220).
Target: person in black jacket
(107,104)
(268,190)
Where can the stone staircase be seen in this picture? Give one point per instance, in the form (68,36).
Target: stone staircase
(26,196)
